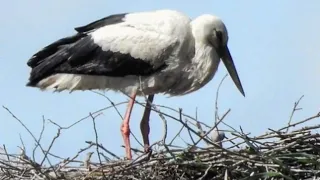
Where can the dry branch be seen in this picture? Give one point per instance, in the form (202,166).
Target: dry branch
(276,154)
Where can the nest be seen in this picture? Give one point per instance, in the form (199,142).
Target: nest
(285,153)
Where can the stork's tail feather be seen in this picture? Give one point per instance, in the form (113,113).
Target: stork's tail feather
(59,82)
(71,82)
(51,49)
(44,61)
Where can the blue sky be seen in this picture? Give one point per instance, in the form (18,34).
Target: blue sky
(274,45)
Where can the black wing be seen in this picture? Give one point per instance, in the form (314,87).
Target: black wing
(112,19)
(79,54)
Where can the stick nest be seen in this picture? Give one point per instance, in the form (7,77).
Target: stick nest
(285,153)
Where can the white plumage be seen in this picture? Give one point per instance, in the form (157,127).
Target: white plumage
(160,36)
(161,51)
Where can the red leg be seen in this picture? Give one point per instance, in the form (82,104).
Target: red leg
(125,129)
(144,124)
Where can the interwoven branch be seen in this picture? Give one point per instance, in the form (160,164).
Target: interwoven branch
(285,153)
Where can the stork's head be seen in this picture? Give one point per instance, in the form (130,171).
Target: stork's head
(210,30)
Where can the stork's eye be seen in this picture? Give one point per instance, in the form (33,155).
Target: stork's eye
(216,40)
(219,37)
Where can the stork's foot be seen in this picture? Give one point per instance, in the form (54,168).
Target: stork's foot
(145,135)
(147,148)
(125,130)
(144,124)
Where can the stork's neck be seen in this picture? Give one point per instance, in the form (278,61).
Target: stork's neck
(199,72)
(206,61)
(205,64)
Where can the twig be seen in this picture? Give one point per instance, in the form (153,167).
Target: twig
(39,139)
(50,146)
(6,152)
(182,114)
(190,135)
(103,148)
(205,173)
(34,138)
(198,125)
(23,146)
(97,142)
(216,101)
(300,122)
(178,134)
(182,127)
(294,110)
(78,153)
(93,113)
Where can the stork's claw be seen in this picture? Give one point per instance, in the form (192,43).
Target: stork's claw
(147,148)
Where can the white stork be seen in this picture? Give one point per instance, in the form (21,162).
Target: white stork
(142,53)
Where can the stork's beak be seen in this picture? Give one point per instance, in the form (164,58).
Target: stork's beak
(228,62)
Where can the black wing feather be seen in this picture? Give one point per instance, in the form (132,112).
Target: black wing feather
(88,58)
(112,19)
(79,54)
(51,49)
